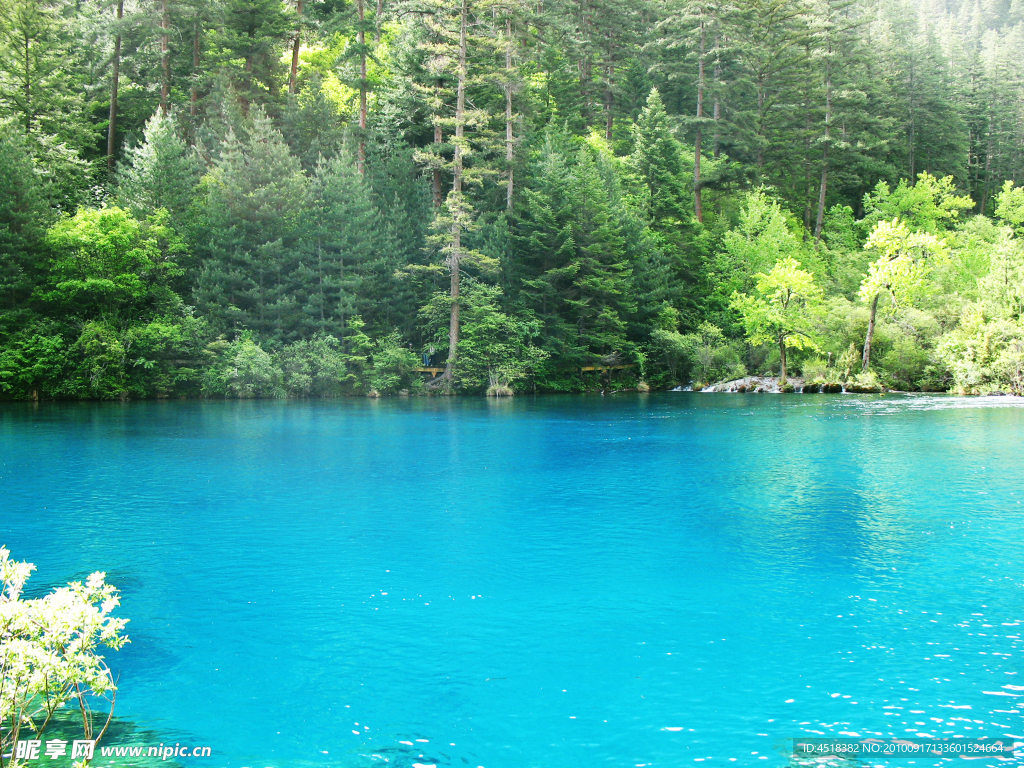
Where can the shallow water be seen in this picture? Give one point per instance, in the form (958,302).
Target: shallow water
(570,581)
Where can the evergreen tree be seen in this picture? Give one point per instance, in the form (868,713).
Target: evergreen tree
(24,215)
(161,172)
(252,228)
(344,246)
(38,92)
(659,163)
(248,45)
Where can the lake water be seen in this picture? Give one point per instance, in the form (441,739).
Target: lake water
(564,582)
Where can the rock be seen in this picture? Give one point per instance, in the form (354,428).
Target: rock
(810,389)
(862,389)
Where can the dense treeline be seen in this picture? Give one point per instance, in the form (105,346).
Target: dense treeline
(255,198)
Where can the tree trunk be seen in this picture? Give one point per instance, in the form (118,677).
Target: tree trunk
(165,57)
(436,175)
(988,164)
(910,131)
(609,97)
(761,98)
(866,362)
(509,151)
(458,209)
(27,86)
(293,79)
(361,40)
(716,150)
(824,161)
(196,49)
(378,19)
(115,77)
(698,208)
(782,358)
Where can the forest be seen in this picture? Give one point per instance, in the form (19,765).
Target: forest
(268,198)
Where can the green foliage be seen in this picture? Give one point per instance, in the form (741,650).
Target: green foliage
(24,216)
(903,263)
(984,354)
(1010,206)
(253,217)
(243,369)
(393,366)
(763,238)
(314,367)
(782,309)
(497,350)
(930,205)
(34,361)
(107,264)
(702,357)
(160,173)
(345,243)
(311,226)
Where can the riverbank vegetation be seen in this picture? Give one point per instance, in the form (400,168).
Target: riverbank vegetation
(260,198)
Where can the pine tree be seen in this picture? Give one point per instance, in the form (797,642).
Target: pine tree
(24,215)
(161,172)
(253,33)
(691,48)
(454,27)
(658,161)
(344,242)
(252,229)
(769,43)
(38,89)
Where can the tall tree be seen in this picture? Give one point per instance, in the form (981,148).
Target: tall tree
(115,81)
(252,34)
(24,214)
(898,272)
(344,241)
(252,231)
(451,26)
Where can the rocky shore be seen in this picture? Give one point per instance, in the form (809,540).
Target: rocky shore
(770,384)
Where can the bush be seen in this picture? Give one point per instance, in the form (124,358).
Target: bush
(313,368)
(984,355)
(704,356)
(394,366)
(49,649)
(244,370)
(864,382)
(816,371)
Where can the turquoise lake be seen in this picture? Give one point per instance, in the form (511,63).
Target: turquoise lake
(564,582)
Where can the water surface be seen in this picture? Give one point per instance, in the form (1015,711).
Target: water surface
(543,583)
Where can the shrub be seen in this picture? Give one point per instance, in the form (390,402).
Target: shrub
(49,651)
(983,355)
(245,370)
(313,368)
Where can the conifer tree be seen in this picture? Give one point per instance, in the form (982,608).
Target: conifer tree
(161,172)
(24,215)
(253,217)
(343,244)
